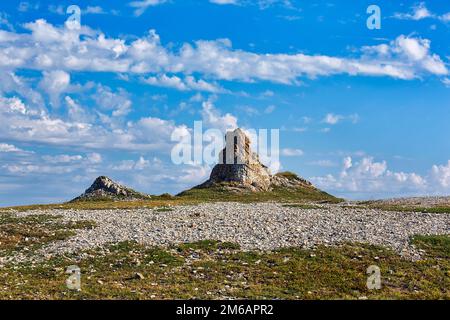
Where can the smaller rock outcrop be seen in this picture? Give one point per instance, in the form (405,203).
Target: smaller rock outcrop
(104,188)
(289,180)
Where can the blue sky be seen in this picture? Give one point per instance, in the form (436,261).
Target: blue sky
(362,113)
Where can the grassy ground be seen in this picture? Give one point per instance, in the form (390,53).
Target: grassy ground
(213,270)
(303,206)
(27,234)
(193,197)
(406,208)
(221,193)
(103,205)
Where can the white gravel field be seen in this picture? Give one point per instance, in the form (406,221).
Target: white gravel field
(260,226)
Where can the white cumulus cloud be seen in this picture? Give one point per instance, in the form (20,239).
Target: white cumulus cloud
(418,12)
(55,83)
(142,6)
(4,147)
(292,152)
(213,118)
(366,178)
(60,48)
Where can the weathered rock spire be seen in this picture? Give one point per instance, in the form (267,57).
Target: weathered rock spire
(240,168)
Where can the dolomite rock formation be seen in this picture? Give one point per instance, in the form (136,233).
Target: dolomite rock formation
(240,169)
(105,188)
(239,166)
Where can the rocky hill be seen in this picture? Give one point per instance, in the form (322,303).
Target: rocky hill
(238,176)
(240,172)
(104,188)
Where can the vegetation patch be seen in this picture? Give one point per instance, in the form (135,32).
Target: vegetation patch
(214,270)
(221,192)
(405,208)
(163,209)
(217,193)
(435,246)
(303,206)
(288,175)
(108,204)
(209,245)
(29,233)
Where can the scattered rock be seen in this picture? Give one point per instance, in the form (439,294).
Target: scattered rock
(246,224)
(139,276)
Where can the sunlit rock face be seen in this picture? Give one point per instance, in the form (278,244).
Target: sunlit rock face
(240,168)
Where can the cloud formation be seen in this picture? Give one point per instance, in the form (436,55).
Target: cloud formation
(47,47)
(142,6)
(213,118)
(4,147)
(333,119)
(223,2)
(366,177)
(419,11)
(27,124)
(55,83)
(189,83)
(292,152)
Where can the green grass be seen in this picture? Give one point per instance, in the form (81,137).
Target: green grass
(27,234)
(163,209)
(406,208)
(215,270)
(220,192)
(210,269)
(194,196)
(302,206)
(435,246)
(208,245)
(108,204)
(288,174)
